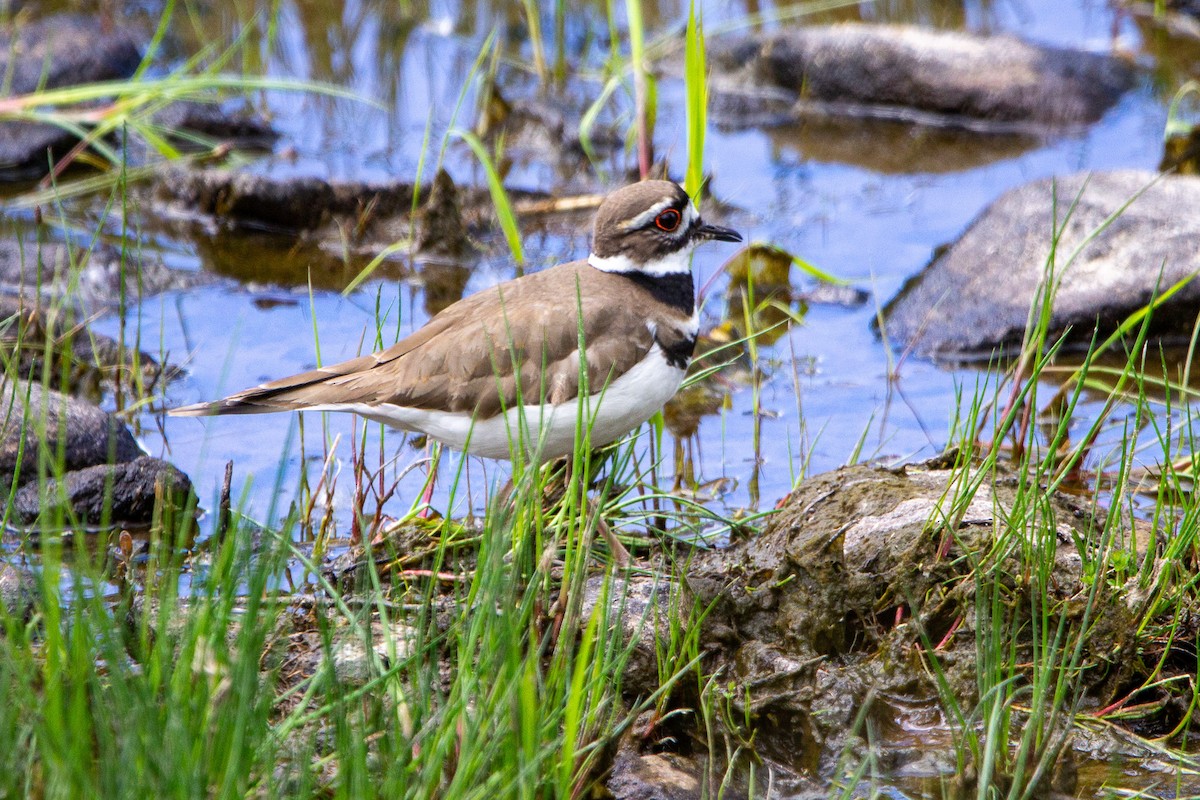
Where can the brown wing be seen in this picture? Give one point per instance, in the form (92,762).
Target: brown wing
(502,338)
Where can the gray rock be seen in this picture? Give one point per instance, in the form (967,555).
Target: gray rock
(976,294)
(28,148)
(64,50)
(17,590)
(56,51)
(94,278)
(37,422)
(643,607)
(834,294)
(988,83)
(656,776)
(117,493)
(355,663)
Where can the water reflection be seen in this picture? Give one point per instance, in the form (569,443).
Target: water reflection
(894,148)
(283,259)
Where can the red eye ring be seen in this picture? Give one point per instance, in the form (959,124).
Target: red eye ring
(668,220)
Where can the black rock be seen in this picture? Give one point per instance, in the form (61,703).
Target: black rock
(118,493)
(52,52)
(40,423)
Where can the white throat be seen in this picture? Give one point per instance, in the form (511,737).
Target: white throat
(677,263)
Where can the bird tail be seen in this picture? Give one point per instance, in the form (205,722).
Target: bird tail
(294,393)
(242,403)
(286,394)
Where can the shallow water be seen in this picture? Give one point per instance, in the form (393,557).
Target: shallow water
(871,212)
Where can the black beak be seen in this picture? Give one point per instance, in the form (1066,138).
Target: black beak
(718,233)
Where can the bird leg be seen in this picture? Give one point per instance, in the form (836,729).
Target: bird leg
(431,472)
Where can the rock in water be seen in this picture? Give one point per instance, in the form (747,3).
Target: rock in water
(975,295)
(56,51)
(38,421)
(120,494)
(18,590)
(941,78)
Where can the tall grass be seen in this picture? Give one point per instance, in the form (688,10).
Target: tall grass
(482,662)
(696,104)
(1036,627)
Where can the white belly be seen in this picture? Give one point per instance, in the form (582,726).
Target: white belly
(548,431)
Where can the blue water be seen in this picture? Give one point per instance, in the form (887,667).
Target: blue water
(874,228)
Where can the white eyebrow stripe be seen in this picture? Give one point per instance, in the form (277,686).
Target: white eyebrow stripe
(650,213)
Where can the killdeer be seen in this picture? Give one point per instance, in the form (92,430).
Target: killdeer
(614,331)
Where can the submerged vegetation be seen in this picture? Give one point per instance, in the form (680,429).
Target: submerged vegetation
(359,644)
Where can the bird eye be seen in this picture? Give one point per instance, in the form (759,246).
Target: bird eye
(668,220)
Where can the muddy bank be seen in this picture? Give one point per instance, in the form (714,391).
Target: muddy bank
(976,294)
(839,630)
(991,84)
(368,214)
(289,231)
(849,622)
(829,604)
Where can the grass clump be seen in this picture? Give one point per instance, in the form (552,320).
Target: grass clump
(447,660)
(491,664)
(1068,633)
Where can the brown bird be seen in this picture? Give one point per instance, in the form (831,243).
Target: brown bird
(512,362)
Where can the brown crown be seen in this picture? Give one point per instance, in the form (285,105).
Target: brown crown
(611,234)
